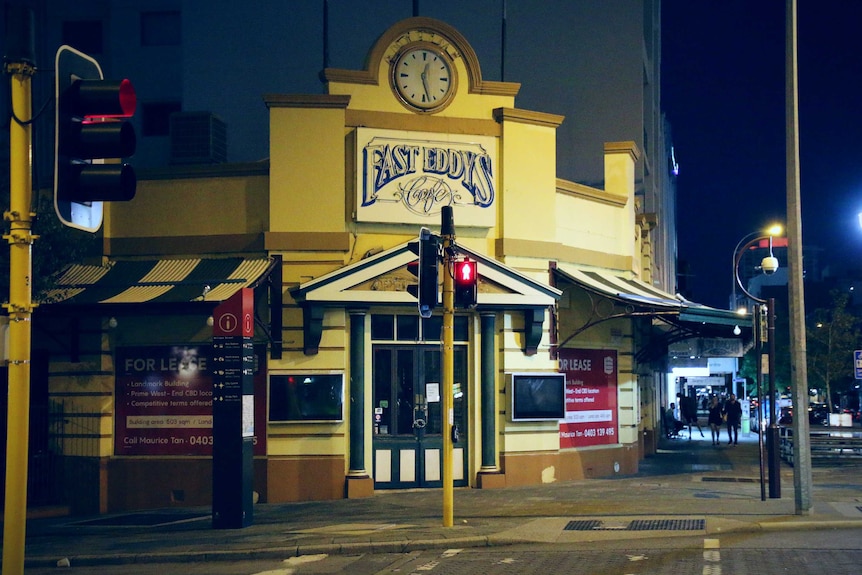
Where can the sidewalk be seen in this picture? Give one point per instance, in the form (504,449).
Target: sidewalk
(689,488)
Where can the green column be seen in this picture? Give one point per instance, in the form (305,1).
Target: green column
(357,392)
(488,392)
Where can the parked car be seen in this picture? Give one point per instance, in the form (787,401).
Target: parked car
(818,414)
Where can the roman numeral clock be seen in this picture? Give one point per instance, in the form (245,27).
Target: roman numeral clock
(422,77)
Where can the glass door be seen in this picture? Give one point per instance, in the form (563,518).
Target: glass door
(407,407)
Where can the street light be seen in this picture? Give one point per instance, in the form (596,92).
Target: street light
(771,231)
(769,264)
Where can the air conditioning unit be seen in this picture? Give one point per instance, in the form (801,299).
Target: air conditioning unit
(198,138)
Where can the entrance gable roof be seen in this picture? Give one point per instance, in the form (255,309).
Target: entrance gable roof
(375,280)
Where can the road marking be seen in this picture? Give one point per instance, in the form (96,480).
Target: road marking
(711,557)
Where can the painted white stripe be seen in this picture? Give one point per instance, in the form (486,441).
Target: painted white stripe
(711,557)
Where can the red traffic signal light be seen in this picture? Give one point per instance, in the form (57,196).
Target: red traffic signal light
(91,139)
(466,283)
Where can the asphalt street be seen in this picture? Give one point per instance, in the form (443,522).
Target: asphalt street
(690,488)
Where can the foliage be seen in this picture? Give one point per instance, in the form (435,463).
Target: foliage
(750,361)
(55,247)
(832,336)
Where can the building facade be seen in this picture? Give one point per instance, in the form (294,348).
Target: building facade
(560,370)
(556,370)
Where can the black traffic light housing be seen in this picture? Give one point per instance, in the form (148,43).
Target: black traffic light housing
(90,140)
(466,283)
(425,269)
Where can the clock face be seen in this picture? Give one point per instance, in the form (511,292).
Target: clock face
(422,78)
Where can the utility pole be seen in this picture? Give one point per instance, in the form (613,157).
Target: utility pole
(447,231)
(20,68)
(798,355)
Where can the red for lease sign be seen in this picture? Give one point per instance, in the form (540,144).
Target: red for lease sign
(591,397)
(163,400)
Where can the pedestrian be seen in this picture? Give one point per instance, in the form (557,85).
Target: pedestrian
(733,417)
(672,425)
(715,420)
(688,411)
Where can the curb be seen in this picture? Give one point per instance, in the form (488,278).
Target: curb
(399,546)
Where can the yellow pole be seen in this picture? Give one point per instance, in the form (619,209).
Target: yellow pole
(448,235)
(20,308)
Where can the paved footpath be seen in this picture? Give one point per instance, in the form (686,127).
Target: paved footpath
(689,488)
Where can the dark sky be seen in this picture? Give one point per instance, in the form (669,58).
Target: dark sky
(723,91)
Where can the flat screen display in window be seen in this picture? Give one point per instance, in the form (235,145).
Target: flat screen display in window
(306,397)
(538,396)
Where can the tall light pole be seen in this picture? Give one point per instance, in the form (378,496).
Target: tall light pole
(802,481)
(773,230)
(768,265)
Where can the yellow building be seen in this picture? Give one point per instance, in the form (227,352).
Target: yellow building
(557,369)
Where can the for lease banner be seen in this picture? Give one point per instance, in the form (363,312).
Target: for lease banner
(164,401)
(591,397)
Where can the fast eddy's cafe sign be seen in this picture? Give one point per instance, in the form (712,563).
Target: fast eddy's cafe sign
(407,177)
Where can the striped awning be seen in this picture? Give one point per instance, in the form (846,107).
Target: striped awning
(156,281)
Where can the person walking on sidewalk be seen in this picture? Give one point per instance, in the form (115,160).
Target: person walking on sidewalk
(715,420)
(688,411)
(733,416)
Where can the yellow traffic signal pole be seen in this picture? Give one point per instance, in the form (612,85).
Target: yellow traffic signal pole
(20,308)
(448,413)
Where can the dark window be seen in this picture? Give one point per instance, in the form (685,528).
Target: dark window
(306,397)
(161,29)
(408,327)
(156,117)
(461,328)
(383,327)
(84,35)
(432,328)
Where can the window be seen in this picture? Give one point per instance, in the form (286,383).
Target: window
(84,35)
(161,29)
(156,117)
(306,397)
(386,327)
(538,396)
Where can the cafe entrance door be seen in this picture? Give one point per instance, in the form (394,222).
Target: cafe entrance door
(407,400)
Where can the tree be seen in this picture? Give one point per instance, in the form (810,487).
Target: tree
(832,334)
(56,246)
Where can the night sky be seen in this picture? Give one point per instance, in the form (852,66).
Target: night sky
(723,93)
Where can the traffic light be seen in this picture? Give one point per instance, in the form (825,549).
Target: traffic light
(466,284)
(91,138)
(425,270)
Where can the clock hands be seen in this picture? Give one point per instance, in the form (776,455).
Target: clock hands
(424,76)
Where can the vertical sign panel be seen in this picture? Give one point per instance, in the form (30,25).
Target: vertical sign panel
(233,411)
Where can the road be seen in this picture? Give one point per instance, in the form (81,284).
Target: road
(835,552)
